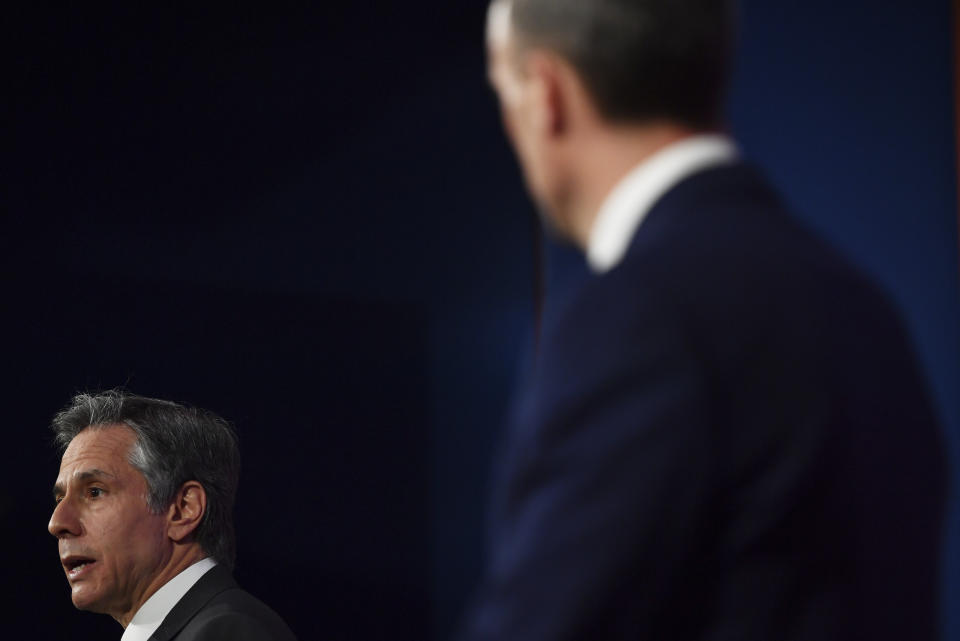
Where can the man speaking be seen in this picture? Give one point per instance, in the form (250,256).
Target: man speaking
(144,520)
(725,435)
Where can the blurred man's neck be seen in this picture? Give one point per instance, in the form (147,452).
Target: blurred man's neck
(607,156)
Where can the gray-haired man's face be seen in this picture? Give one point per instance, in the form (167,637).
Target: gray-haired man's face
(526,113)
(516,108)
(111,544)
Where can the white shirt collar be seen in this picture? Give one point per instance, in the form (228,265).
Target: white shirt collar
(152,613)
(632,198)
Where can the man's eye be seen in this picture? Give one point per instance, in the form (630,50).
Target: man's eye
(94,492)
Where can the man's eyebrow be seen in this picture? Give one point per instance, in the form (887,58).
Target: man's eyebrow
(86,475)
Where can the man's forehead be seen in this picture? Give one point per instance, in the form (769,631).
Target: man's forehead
(85,474)
(100,447)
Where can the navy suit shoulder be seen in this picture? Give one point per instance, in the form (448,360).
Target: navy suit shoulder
(216,608)
(725,437)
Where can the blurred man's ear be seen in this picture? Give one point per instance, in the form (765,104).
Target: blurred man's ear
(549,93)
(186,511)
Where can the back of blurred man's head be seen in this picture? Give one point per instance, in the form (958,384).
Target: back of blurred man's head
(640,59)
(588,87)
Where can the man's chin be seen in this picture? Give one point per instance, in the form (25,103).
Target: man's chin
(84,599)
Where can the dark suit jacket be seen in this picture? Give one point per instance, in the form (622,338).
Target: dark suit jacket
(216,609)
(725,437)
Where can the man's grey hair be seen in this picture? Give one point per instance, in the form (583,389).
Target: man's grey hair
(640,59)
(174,444)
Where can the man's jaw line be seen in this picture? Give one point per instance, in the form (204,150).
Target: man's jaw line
(180,558)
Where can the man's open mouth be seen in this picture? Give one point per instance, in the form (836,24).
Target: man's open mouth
(75,565)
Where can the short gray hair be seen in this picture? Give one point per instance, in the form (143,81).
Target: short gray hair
(640,59)
(175,444)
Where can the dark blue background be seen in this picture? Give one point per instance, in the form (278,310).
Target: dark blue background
(306,218)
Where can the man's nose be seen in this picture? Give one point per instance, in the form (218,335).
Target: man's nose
(63,521)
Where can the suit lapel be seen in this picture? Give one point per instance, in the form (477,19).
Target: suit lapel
(215,581)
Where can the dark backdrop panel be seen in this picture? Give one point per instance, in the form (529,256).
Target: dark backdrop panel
(307,218)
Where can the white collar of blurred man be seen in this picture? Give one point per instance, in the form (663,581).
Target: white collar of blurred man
(631,199)
(116,552)
(152,613)
(576,163)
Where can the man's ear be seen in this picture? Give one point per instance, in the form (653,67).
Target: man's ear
(548,88)
(186,511)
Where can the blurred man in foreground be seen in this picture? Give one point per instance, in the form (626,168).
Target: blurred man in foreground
(726,435)
(144,520)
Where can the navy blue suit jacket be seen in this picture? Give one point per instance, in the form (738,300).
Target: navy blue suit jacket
(724,437)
